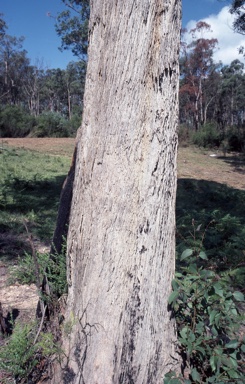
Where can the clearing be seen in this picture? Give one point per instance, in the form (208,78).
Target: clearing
(193,163)
(208,169)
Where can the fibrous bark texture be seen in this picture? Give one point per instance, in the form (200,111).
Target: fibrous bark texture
(121,236)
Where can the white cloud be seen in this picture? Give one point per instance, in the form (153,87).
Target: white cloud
(228,41)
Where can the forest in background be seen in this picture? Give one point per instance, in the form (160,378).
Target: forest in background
(43,102)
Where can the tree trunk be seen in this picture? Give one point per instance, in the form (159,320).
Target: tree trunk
(121,240)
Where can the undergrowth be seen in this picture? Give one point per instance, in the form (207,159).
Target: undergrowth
(53,267)
(208,312)
(24,355)
(206,299)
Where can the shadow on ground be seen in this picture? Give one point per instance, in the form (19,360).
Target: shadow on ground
(32,204)
(237,162)
(211,216)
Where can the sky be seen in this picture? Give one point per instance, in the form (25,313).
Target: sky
(29,18)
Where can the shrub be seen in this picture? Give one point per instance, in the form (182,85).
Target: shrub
(183,134)
(236,140)
(207,137)
(24,350)
(208,319)
(51,124)
(206,310)
(53,267)
(15,122)
(74,124)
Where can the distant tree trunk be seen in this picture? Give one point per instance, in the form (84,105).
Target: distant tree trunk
(121,239)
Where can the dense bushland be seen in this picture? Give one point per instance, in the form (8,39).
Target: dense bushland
(17,122)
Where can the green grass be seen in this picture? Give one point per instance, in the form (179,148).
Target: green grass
(30,185)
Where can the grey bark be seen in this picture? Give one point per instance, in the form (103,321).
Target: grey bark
(121,237)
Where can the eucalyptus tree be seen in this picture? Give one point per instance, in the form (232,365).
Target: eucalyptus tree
(121,237)
(13,62)
(74,77)
(72,27)
(197,67)
(232,94)
(238,9)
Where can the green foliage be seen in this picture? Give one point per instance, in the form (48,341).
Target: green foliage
(220,211)
(235,139)
(15,122)
(51,124)
(20,355)
(17,356)
(237,8)
(72,27)
(206,309)
(24,272)
(74,124)
(208,136)
(53,267)
(56,272)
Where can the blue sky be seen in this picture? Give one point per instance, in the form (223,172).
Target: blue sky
(29,18)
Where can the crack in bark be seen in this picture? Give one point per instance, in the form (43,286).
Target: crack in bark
(128,371)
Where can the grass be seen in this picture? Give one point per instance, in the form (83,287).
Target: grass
(30,185)
(210,202)
(31,181)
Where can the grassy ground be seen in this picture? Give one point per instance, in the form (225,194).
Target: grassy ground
(30,185)
(210,208)
(210,189)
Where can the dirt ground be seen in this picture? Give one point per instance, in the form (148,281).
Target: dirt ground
(54,146)
(193,162)
(209,165)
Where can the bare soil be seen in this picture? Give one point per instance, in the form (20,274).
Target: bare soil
(193,163)
(54,146)
(209,165)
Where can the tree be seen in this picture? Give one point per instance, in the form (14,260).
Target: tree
(238,9)
(13,63)
(74,78)
(232,99)
(121,238)
(72,27)
(33,82)
(196,67)
(3,27)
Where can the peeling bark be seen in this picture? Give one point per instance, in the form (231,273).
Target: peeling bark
(121,237)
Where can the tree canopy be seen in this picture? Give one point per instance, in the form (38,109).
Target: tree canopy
(238,9)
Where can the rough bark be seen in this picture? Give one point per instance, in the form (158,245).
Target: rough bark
(121,237)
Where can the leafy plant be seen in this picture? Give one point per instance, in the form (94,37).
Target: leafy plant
(206,309)
(53,267)
(51,124)
(21,354)
(24,271)
(56,272)
(220,210)
(15,122)
(208,137)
